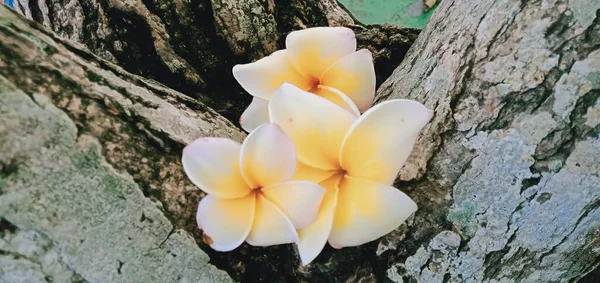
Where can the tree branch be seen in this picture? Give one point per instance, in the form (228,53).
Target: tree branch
(89,159)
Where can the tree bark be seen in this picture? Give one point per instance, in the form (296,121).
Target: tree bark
(191,46)
(506,176)
(511,162)
(91,189)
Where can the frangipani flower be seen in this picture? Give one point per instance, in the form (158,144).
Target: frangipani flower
(250,195)
(322,61)
(355,158)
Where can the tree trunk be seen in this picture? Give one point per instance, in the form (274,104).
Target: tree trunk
(90,184)
(506,176)
(511,162)
(192,45)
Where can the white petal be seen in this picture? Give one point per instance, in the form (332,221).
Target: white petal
(315,125)
(268,157)
(299,200)
(227,222)
(381,140)
(367,210)
(262,77)
(271,226)
(354,75)
(314,236)
(212,164)
(255,115)
(312,51)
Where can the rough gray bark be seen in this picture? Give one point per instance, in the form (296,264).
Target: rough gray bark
(192,45)
(508,173)
(506,176)
(87,154)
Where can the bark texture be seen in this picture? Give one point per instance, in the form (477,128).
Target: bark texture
(506,176)
(87,154)
(192,45)
(510,166)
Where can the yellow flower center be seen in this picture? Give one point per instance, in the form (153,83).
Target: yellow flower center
(339,174)
(313,84)
(256,190)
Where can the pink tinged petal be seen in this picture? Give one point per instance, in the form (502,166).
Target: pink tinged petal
(315,125)
(268,157)
(308,173)
(271,226)
(226,221)
(255,115)
(212,164)
(299,200)
(262,77)
(381,140)
(367,210)
(354,75)
(337,97)
(314,236)
(312,51)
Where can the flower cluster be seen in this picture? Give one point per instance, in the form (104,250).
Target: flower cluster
(313,168)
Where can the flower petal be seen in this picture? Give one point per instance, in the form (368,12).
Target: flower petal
(381,140)
(226,221)
(299,200)
(367,210)
(255,115)
(308,173)
(212,164)
(268,157)
(337,97)
(271,226)
(354,75)
(312,51)
(262,77)
(315,125)
(314,236)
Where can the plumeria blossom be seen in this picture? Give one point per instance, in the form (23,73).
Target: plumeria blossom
(355,158)
(250,193)
(320,60)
